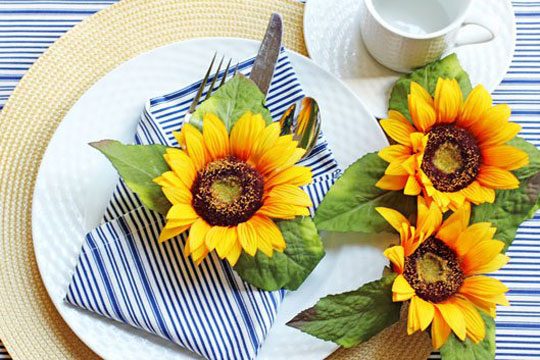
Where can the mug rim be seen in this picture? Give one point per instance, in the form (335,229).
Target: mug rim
(453,25)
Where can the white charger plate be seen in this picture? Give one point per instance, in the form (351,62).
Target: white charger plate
(333,39)
(75,182)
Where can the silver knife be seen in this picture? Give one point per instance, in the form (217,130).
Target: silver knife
(265,62)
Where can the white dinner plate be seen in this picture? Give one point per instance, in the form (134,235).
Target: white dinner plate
(333,40)
(75,182)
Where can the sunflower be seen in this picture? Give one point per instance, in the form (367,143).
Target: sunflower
(226,189)
(440,266)
(453,152)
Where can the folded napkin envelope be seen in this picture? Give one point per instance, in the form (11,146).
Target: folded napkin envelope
(123,273)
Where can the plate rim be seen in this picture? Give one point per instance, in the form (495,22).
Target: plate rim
(39,177)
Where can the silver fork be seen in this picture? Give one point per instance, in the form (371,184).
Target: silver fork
(212,87)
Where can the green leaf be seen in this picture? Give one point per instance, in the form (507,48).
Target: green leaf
(351,318)
(138,165)
(231,101)
(455,349)
(448,67)
(534,158)
(350,204)
(288,269)
(512,207)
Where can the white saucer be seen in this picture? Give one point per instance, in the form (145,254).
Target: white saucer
(333,40)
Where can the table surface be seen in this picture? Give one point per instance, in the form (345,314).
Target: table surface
(29,27)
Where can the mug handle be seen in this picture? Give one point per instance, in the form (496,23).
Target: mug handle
(479,40)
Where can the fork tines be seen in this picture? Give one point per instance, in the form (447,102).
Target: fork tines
(212,86)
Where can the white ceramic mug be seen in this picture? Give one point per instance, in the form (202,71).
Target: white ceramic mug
(406,34)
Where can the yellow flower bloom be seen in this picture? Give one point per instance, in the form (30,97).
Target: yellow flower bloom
(440,266)
(454,152)
(226,189)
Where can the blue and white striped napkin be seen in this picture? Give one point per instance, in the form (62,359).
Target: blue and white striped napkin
(123,273)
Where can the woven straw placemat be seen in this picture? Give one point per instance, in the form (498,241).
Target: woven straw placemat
(30,326)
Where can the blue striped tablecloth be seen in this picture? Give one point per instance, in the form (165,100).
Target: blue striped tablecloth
(28,27)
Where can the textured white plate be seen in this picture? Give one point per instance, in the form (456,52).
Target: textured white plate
(333,39)
(75,182)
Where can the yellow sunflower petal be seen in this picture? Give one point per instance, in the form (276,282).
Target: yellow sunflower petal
(412,187)
(396,255)
(265,143)
(214,236)
(396,168)
(429,217)
(234,253)
(497,178)
(199,254)
(269,231)
(395,152)
(216,138)
(478,102)
(293,159)
(455,224)
(418,90)
(413,324)
(178,195)
(483,286)
(401,289)
(392,182)
(485,289)
(283,211)
(397,127)
(487,306)
(411,165)
(265,246)
(247,236)
(418,141)
(393,217)
(494,127)
(288,194)
(504,156)
(476,329)
(194,145)
(168,179)
(422,112)
(480,254)
(179,136)
(439,330)
(495,264)
(278,157)
(452,314)
(420,316)
(478,194)
(197,233)
(182,212)
(228,241)
(171,224)
(295,175)
(468,238)
(182,166)
(167,234)
(245,133)
(506,133)
(448,100)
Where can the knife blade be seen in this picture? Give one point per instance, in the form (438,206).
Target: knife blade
(265,62)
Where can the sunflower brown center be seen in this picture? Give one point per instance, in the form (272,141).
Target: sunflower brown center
(451,158)
(227,192)
(433,271)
